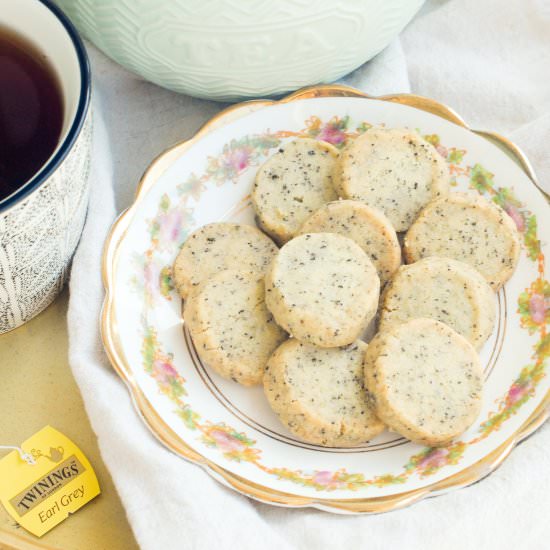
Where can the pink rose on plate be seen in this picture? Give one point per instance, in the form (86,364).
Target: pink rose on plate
(326,479)
(332,134)
(225,441)
(538,306)
(170,226)
(442,150)
(164,371)
(515,214)
(322,478)
(434,459)
(238,159)
(151,275)
(517,391)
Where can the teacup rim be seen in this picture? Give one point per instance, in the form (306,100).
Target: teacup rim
(77,123)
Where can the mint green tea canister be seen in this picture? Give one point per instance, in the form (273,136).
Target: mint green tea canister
(234,49)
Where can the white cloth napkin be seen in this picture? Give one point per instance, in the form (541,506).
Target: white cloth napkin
(490,61)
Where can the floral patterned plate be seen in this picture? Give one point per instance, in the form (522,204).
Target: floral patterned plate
(229,429)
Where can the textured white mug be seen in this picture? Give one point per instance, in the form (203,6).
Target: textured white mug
(41,222)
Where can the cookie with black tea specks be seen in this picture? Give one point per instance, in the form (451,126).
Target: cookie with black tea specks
(319,394)
(323,289)
(231,328)
(367,226)
(218,246)
(442,289)
(394,170)
(470,229)
(292,184)
(426,381)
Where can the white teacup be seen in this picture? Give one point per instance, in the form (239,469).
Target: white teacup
(41,222)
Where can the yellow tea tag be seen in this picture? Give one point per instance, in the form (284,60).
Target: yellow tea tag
(51,480)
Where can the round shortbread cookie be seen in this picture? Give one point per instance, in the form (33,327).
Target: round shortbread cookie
(368,227)
(218,246)
(319,393)
(442,289)
(426,380)
(468,228)
(230,325)
(323,289)
(394,170)
(292,184)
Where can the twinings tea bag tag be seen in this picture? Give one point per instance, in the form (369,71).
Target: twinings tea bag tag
(45,480)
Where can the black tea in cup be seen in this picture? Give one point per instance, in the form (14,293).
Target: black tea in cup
(31,111)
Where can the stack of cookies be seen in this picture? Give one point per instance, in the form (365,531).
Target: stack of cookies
(296,318)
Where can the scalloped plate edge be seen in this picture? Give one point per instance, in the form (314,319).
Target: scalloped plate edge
(169,438)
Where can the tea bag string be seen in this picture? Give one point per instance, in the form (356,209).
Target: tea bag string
(29,459)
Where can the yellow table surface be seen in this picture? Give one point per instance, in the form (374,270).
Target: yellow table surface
(37,388)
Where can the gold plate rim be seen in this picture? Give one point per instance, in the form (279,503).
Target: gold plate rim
(173,442)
